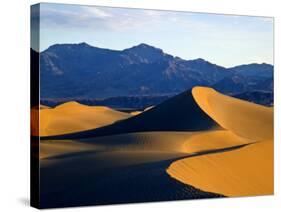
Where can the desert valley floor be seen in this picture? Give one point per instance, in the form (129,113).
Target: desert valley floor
(198,144)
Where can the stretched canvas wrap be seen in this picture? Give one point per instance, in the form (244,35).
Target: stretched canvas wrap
(135,105)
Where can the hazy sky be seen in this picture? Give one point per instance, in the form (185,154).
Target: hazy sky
(222,39)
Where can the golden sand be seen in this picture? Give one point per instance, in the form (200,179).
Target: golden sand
(74,117)
(247,171)
(246,119)
(134,113)
(213,140)
(240,172)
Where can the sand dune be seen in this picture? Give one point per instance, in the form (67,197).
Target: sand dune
(44,107)
(74,117)
(246,119)
(240,172)
(247,171)
(179,113)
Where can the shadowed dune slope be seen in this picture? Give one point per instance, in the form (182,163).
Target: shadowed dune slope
(245,119)
(187,143)
(169,141)
(180,113)
(74,117)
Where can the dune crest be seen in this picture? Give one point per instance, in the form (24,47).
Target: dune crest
(74,117)
(179,113)
(245,119)
(43,106)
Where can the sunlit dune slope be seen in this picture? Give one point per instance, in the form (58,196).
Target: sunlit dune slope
(239,172)
(74,117)
(246,119)
(245,171)
(179,113)
(134,113)
(201,142)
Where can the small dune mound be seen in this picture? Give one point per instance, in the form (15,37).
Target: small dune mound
(179,113)
(74,117)
(245,119)
(43,107)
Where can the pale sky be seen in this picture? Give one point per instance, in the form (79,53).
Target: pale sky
(226,40)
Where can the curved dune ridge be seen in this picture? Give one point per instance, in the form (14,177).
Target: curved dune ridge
(246,119)
(74,117)
(240,172)
(246,171)
(179,113)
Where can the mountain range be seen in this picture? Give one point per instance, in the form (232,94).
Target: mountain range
(81,71)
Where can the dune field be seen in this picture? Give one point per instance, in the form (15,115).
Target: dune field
(198,144)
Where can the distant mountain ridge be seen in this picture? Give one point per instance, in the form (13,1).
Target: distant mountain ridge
(84,71)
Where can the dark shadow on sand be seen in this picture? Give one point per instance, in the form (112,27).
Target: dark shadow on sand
(99,182)
(179,113)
